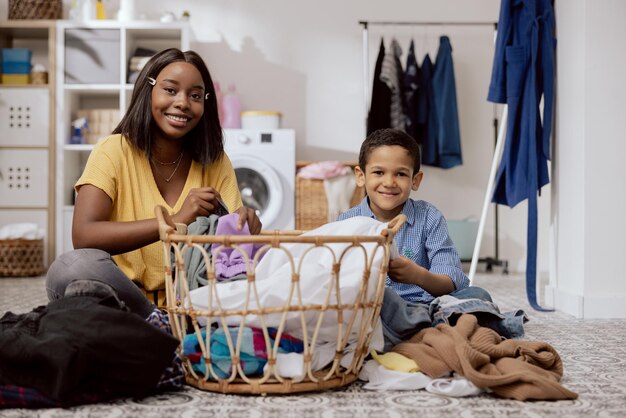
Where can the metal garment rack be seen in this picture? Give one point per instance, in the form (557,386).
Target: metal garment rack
(498,138)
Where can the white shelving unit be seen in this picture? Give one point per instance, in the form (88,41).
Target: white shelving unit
(92,66)
(27,126)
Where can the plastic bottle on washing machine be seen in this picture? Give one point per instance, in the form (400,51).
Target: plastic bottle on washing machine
(219,97)
(232,108)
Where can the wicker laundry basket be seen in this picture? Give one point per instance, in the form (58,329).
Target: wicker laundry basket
(350,317)
(311,202)
(35,9)
(21,257)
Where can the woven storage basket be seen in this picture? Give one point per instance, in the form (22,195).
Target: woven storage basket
(343,320)
(21,257)
(35,9)
(311,202)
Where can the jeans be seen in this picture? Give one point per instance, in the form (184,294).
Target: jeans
(402,319)
(94,264)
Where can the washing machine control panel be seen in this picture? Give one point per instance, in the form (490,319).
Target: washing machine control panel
(243,139)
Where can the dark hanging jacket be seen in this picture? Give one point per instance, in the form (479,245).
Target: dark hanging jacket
(411,88)
(427,113)
(379,114)
(448,138)
(523,71)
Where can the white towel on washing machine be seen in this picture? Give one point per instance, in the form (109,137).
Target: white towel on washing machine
(339,191)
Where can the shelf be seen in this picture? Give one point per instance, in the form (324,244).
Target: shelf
(26,29)
(92,88)
(32,145)
(24,86)
(78,147)
(91,52)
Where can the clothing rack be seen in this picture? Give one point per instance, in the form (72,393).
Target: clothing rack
(498,138)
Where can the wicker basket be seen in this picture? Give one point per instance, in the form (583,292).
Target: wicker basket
(344,319)
(21,257)
(35,9)
(311,202)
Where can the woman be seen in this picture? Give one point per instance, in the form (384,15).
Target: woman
(167,150)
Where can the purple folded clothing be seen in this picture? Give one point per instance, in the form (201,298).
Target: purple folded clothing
(230,262)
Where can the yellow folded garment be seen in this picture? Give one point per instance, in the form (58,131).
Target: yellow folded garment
(395,361)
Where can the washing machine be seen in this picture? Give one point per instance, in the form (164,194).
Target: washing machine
(265,165)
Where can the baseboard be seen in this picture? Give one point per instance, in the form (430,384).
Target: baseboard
(586,307)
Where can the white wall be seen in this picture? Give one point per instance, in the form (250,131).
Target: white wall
(590,187)
(304,58)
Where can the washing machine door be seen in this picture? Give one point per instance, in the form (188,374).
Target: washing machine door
(260,186)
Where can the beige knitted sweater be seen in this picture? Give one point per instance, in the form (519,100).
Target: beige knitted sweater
(521,370)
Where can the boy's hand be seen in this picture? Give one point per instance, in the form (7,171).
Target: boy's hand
(404,270)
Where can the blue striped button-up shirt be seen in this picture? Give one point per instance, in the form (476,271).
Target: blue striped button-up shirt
(424,239)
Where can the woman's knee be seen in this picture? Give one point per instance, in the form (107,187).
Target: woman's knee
(74,265)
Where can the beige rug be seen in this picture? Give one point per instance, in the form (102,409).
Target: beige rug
(593,352)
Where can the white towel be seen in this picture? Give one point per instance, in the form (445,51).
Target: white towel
(25,230)
(339,191)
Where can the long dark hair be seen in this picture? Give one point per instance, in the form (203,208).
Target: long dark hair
(205,142)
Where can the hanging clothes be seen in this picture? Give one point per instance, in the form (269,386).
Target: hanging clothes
(442,142)
(523,70)
(426,114)
(411,87)
(392,74)
(425,76)
(379,116)
(447,117)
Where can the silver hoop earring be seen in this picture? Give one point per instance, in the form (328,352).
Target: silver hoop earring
(206,96)
(151,81)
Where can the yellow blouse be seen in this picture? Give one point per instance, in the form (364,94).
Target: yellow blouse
(124,174)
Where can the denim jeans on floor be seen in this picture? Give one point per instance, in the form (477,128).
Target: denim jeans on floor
(402,319)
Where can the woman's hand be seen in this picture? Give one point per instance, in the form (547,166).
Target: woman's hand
(201,201)
(249,215)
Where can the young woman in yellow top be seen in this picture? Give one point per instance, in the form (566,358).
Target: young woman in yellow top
(167,150)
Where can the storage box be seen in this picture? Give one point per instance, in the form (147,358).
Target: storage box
(15,79)
(463,234)
(260,119)
(35,9)
(16,67)
(24,122)
(16,55)
(21,257)
(92,56)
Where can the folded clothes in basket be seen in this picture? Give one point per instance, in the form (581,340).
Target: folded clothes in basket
(253,355)
(274,278)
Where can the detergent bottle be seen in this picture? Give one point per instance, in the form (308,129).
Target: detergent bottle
(219,96)
(232,108)
(101,13)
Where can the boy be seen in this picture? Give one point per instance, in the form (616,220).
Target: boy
(429,265)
